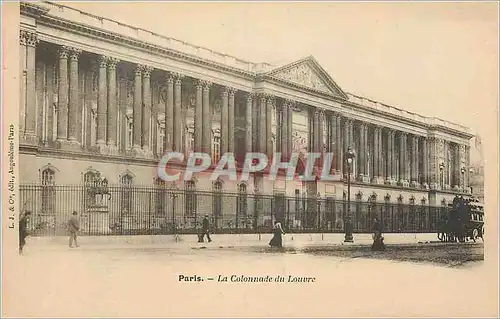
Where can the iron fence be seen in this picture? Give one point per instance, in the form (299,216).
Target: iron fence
(120,210)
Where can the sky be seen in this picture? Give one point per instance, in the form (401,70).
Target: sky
(434,59)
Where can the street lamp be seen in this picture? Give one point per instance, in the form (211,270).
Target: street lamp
(441,169)
(349,157)
(173,196)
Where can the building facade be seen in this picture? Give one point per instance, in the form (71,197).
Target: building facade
(102,97)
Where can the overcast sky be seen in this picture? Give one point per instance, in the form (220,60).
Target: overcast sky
(435,59)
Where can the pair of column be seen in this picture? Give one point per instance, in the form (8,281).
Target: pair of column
(227,120)
(377,155)
(173,114)
(286,126)
(27,120)
(265,143)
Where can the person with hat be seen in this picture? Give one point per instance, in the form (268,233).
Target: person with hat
(23,230)
(205,230)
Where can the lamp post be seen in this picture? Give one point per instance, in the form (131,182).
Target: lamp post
(173,195)
(441,177)
(349,157)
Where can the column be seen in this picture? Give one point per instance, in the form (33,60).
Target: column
(30,128)
(89,76)
(137,116)
(22,86)
(376,173)
(146,108)
(224,129)
(232,92)
(261,137)
(111,136)
(414,162)
(457,167)
(388,154)
(380,158)
(73,95)
(178,113)
(425,163)
(289,127)
(362,152)
(433,171)
(248,122)
(366,178)
(123,115)
(102,107)
(407,160)
(321,125)
(395,163)
(207,123)
(169,115)
(269,136)
(62,101)
(284,131)
(339,155)
(467,168)
(402,163)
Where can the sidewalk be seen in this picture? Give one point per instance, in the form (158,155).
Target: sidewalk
(222,241)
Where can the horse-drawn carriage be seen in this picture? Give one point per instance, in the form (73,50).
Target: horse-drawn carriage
(463,221)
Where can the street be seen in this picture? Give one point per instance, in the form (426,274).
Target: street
(144,281)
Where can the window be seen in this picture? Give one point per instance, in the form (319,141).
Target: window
(190,138)
(190,198)
(126,193)
(161,138)
(216,146)
(130,133)
(48,191)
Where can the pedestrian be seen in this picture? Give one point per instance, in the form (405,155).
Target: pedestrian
(23,230)
(73,227)
(378,239)
(277,240)
(205,230)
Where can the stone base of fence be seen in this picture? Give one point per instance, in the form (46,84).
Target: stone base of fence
(228,240)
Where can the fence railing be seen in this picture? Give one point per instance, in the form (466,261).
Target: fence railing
(120,210)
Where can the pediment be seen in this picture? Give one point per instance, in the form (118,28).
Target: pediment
(308,74)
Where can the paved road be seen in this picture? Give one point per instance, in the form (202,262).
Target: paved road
(143,281)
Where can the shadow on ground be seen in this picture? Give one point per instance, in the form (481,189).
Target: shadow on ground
(443,254)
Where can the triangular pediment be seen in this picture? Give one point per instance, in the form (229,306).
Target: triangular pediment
(308,74)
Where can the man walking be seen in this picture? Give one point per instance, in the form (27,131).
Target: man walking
(73,227)
(23,230)
(205,230)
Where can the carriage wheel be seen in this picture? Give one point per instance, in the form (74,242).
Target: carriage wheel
(440,236)
(475,233)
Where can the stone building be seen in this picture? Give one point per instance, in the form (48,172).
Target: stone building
(100,96)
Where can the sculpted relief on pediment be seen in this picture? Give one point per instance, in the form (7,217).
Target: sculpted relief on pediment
(303,75)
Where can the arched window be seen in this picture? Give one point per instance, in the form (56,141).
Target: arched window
(48,191)
(190,199)
(126,193)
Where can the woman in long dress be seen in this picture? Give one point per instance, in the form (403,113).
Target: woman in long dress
(277,240)
(378,239)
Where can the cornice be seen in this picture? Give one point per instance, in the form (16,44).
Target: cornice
(295,86)
(122,40)
(32,10)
